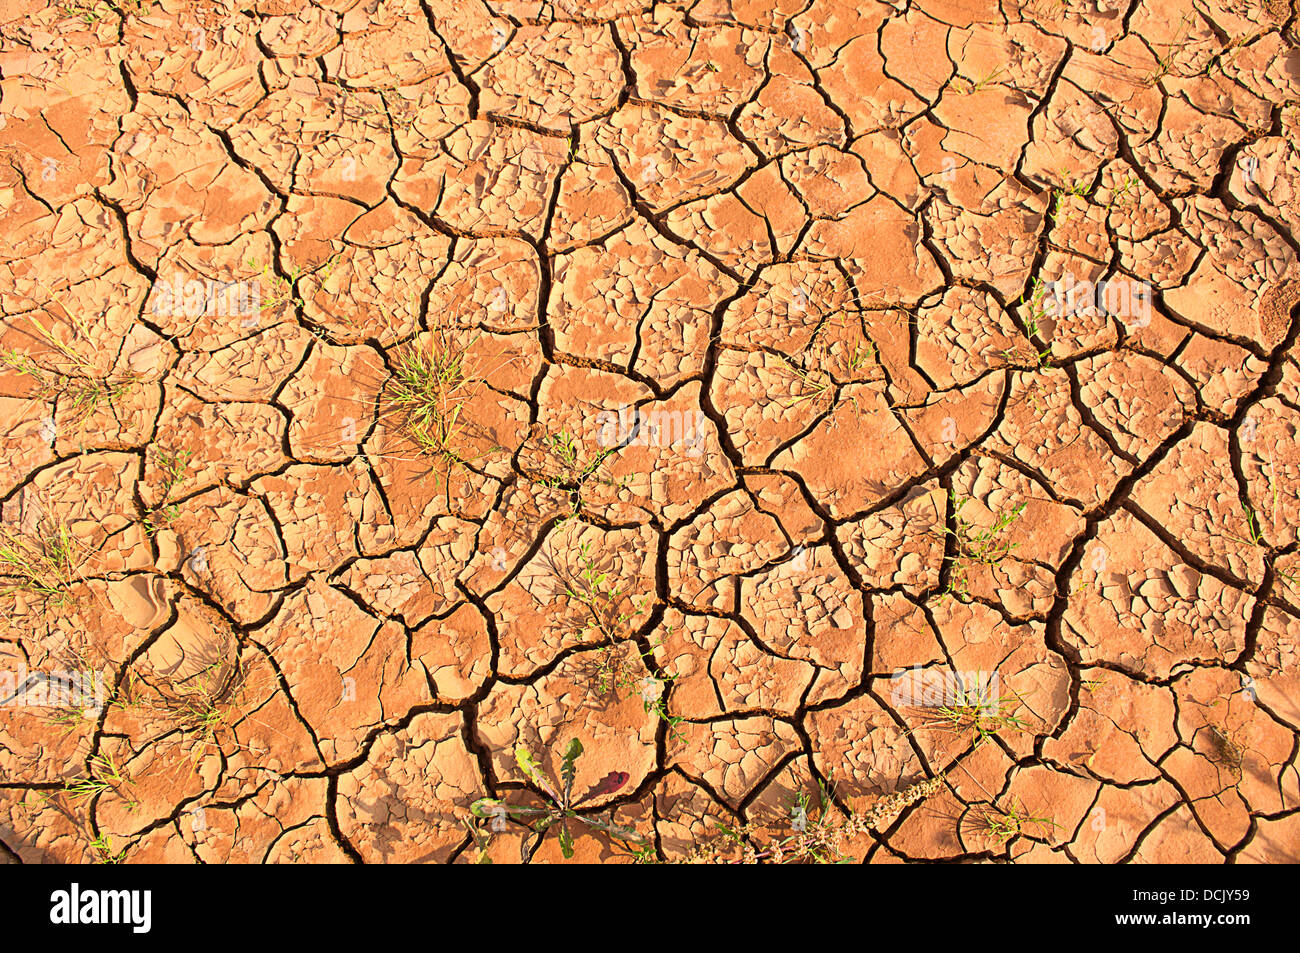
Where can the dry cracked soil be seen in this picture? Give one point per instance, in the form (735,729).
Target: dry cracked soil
(869,427)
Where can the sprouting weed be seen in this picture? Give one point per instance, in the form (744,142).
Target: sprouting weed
(815,382)
(983,545)
(1165,63)
(429,388)
(104,775)
(432,387)
(1079,189)
(1253,530)
(565,454)
(1035,313)
(173,466)
(976,710)
(104,853)
(282,289)
(1123,191)
(967,87)
(1015,821)
(200,706)
(562,812)
(606,608)
(78,383)
(1289,578)
(44,564)
(607,614)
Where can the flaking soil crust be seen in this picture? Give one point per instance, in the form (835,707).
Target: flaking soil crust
(870,428)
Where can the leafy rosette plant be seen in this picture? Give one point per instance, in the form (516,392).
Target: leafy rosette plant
(563,808)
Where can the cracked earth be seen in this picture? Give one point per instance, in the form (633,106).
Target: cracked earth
(760,401)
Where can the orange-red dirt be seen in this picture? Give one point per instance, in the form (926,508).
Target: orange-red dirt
(819,396)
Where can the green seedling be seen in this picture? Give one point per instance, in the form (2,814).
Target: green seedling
(975,710)
(1092,684)
(104,775)
(974,86)
(78,383)
(563,810)
(1035,313)
(815,381)
(44,566)
(432,387)
(173,466)
(564,452)
(1123,191)
(482,840)
(1289,578)
(607,611)
(607,616)
(1079,189)
(104,853)
(1165,63)
(982,545)
(984,719)
(1006,825)
(200,706)
(1253,530)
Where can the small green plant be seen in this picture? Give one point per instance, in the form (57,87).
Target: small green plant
(815,381)
(1253,528)
(429,388)
(607,615)
(1223,59)
(173,466)
(88,11)
(1165,64)
(976,710)
(983,545)
(71,719)
(967,86)
(1289,578)
(1252,525)
(1123,191)
(615,675)
(568,470)
(1035,313)
(104,853)
(104,774)
(78,382)
(1092,684)
(282,288)
(432,386)
(44,565)
(654,699)
(1080,189)
(482,840)
(1015,821)
(606,608)
(563,809)
(860,357)
(202,705)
